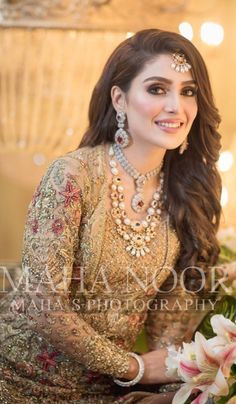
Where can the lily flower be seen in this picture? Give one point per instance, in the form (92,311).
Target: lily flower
(202,371)
(224,328)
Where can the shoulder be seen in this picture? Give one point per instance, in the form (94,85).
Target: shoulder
(83,168)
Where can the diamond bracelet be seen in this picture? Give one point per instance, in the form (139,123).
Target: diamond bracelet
(139,375)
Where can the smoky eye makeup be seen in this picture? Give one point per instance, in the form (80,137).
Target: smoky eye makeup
(157,88)
(189,91)
(160,89)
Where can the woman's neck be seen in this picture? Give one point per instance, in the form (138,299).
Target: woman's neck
(144,159)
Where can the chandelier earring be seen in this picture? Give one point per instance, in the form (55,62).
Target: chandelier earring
(183,146)
(122,137)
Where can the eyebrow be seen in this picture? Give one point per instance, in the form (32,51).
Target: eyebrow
(167,81)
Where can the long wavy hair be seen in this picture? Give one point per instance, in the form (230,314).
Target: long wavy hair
(192,182)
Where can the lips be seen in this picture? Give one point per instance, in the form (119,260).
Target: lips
(169,123)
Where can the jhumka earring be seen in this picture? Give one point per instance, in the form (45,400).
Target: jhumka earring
(122,138)
(183,146)
(179,63)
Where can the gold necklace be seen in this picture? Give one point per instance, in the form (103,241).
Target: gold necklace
(137,234)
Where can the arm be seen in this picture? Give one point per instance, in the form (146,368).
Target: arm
(51,239)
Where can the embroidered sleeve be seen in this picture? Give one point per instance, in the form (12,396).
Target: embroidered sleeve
(51,240)
(174,316)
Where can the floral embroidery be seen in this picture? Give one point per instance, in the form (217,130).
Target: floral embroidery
(76,248)
(57,226)
(47,359)
(25,368)
(71,194)
(35,226)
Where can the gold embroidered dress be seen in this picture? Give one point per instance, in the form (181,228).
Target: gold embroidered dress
(83,298)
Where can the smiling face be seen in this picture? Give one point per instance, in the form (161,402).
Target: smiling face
(160,104)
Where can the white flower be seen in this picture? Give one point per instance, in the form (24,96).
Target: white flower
(172,361)
(224,328)
(201,371)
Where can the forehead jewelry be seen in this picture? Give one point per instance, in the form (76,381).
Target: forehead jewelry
(179,63)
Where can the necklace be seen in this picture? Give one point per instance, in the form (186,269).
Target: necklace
(137,234)
(137,202)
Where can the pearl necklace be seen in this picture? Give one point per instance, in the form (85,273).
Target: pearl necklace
(137,234)
(137,202)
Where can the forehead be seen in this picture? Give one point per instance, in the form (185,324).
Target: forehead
(160,66)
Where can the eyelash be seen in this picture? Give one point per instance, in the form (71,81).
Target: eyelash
(152,90)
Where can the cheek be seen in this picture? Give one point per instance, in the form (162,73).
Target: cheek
(145,106)
(192,111)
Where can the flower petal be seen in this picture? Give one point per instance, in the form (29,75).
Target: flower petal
(182,394)
(201,399)
(220,386)
(216,343)
(228,357)
(204,354)
(188,369)
(224,327)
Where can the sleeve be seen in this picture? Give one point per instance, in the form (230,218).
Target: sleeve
(50,242)
(173,317)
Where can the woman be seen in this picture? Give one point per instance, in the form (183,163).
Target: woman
(108,224)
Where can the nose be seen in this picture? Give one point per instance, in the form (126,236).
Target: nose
(173,103)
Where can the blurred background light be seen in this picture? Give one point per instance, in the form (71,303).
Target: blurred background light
(186,30)
(212,33)
(39,159)
(129,34)
(226,161)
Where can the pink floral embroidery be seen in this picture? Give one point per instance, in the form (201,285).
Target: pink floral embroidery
(47,359)
(57,226)
(71,194)
(35,226)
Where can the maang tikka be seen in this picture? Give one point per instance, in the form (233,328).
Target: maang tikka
(122,138)
(179,63)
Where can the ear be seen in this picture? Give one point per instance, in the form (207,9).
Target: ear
(118,98)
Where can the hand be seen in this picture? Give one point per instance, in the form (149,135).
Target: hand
(155,368)
(148,398)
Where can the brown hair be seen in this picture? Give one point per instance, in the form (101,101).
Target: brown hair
(192,183)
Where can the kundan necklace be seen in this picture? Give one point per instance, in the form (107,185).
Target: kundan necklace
(137,202)
(137,234)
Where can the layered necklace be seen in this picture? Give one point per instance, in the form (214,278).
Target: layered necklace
(137,202)
(137,234)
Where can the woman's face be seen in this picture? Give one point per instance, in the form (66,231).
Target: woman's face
(161,104)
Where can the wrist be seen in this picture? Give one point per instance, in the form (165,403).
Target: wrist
(135,372)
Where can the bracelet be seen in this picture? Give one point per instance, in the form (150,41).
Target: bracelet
(139,375)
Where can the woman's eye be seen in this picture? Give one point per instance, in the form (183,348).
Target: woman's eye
(156,90)
(190,92)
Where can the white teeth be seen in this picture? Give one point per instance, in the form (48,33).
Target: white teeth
(169,125)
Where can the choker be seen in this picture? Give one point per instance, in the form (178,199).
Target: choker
(137,202)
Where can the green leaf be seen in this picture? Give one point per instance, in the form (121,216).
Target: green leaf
(225,306)
(226,255)
(233,369)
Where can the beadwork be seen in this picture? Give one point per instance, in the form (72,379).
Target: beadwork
(179,63)
(137,234)
(137,202)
